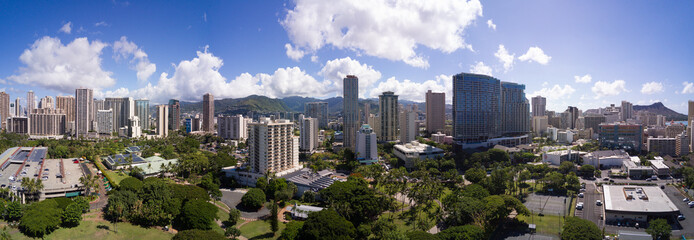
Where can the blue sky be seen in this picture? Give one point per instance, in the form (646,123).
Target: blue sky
(584,53)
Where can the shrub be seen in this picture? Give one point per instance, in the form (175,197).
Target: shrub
(253,199)
(131,184)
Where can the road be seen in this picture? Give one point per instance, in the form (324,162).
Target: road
(591,211)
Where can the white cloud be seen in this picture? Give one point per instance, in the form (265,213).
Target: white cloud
(687,88)
(602,89)
(413,91)
(124,49)
(535,54)
(314,58)
(335,71)
(55,66)
(504,57)
(102,23)
(193,78)
(555,93)
(204,16)
(67,28)
(652,88)
(480,68)
(390,29)
(294,53)
(491,24)
(584,79)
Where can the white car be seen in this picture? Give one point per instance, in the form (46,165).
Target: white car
(598,202)
(579,206)
(580,195)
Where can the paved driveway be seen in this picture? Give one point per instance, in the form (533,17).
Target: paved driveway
(233,199)
(591,211)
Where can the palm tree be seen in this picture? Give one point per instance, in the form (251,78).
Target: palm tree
(89,182)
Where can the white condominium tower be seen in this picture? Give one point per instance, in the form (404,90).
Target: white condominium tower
(273,148)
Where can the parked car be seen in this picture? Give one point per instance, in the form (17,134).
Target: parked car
(580,195)
(579,206)
(662,186)
(681,217)
(685,200)
(606,179)
(691,204)
(611,180)
(598,202)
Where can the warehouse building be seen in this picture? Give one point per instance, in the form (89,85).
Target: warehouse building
(636,203)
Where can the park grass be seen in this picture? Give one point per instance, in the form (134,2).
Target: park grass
(398,220)
(547,224)
(101,230)
(260,229)
(572,206)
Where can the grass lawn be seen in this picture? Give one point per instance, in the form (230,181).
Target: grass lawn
(547,224)
(101,230)
(399,221)
(572,206)
(115,176)
(260,230)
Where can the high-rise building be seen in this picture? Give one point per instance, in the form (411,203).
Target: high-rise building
(104,119)
(230,127)
(162,120)
(273,148)
(12,109)
(47,122)
(100,105)
(690,116)
(350,116)
(436,111)
(84,103)
(627,110)
(17,108)
(481,102)
(593,121)
(408,128)
(621,136)
(174,114)
(46,102)
(540,124)
(539,106)
(366,149)
(123,109)
(367,111)
(31,102)
(134,129)
(308,131)
(208,113)
(142,113)
(4,109)
(19,125)
(319,111)
(388,113)
(515,109)
(67,104)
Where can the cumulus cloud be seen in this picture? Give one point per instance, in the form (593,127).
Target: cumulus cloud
(584,79)
(67,28)
(602,89)
(55,66)
(480,68)
(413,91)
(535,54)
(652,88)
(294,53)
(556,92)
(124,49)
(687,87)
(335,71)
(193,78)
(504,57)
(101,24)
(390,29)
(491,24)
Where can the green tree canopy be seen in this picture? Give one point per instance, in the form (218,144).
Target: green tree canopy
(197,234)
(253,199)
(41,218)
(588,171)
(580,229)
(327,225)
(72,215)
(659,229)
(354,200)
(130,184)
(291,231)
(466,232)
(198,214)
(475,175)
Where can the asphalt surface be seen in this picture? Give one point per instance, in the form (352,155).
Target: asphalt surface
(686,226)
(233,199)
(591,211)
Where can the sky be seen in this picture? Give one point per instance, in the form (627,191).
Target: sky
(575,53)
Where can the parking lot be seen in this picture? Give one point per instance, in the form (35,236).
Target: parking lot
(591,211)
(546,204)
(686,226)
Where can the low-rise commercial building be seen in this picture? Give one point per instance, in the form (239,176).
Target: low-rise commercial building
(606,159)
(415,151)
(635,170)
(557,157)
(659,167)
(636,203)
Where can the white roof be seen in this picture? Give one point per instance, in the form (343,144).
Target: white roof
(659,164)
(650,199)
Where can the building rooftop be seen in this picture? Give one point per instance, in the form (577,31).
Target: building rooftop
(305,177)
(415,146)
(659,164)
(630,164)
(122,159)
(648,199)
(153,164)
(57,175)
(609,153)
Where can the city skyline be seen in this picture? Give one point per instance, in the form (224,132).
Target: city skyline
(240,49)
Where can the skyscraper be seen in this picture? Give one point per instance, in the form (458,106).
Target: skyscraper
(31,102)
(408,129)
(539,106)
(350,116)
(208,113)
(84,102)
(162,120)
(18,108)
(366,148)
(142,112)
(104,119)
(46,102)
(174,114)
(123,109)
(319,111)
(627,110)
(690,116)
(47,122)
(485,108)
(4,109)
(388,112)
(436,111)
(67,104)
(229,127)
